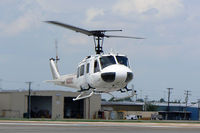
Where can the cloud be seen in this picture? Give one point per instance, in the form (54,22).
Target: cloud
(19,25)
(26,15)
(52,5)
(60,6)
(92,13)
(148,8)
(76,40)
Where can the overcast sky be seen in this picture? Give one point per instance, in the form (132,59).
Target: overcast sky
(168,57)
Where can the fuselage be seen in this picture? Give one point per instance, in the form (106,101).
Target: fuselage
(103,73)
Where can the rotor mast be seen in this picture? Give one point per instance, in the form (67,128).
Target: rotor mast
(98,41)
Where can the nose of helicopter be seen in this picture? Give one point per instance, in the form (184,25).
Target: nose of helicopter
(117,73)
(108,76)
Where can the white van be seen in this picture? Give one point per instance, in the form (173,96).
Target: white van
(131,117)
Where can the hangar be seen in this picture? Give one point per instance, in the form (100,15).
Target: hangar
(47,104)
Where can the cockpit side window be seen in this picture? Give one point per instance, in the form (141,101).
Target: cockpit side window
(122,60)
(78,72)
(107,61)
(96,66)
(88,68)
(82,70)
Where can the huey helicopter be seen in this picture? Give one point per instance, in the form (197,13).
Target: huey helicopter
(96,74)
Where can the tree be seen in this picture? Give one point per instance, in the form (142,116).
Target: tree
(162,100)
(103,99)
(140,100)
(151,107)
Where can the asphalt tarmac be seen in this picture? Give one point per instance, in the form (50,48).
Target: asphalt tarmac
(97,127)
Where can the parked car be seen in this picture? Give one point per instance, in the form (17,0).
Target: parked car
(131,117)
(156,117)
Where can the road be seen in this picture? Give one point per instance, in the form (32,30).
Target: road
(97,127)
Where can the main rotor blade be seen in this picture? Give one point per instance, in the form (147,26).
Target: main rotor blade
(124,37)
(71,27)
(105,30)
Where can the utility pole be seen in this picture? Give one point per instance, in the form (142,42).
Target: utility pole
(140,94)
(1,84)
(29,99)
(168,108)
(145,102)
(164,95)
(187,93)
(136,97)
(199,107)
(133,93)
(169,93)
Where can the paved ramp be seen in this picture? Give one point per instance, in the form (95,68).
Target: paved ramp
(97,127)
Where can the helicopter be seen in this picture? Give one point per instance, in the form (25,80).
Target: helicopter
(96,74)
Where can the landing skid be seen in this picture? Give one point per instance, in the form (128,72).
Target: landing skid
(83,95)
(124,90)
(86,93)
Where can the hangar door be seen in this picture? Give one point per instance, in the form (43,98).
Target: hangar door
(73,109)
(41,106)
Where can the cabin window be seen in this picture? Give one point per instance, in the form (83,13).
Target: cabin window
(88,68)
(122,60)
(78,72)
(96,66)
(82,70)
(107,61)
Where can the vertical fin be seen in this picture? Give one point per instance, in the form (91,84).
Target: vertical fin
(54,69)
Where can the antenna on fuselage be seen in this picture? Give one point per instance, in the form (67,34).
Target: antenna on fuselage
(57,58)
(56,46)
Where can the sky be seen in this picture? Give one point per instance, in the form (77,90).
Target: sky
(168,57)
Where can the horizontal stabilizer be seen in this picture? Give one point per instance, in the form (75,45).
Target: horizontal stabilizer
(56,81)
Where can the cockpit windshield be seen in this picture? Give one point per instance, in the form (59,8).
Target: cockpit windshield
(122,60)
(107,61)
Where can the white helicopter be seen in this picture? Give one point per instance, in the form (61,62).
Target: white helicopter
(100,73)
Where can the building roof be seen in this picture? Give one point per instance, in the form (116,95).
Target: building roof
(121,103)
(142,103)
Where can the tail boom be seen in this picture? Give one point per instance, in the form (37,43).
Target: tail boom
(64,80)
